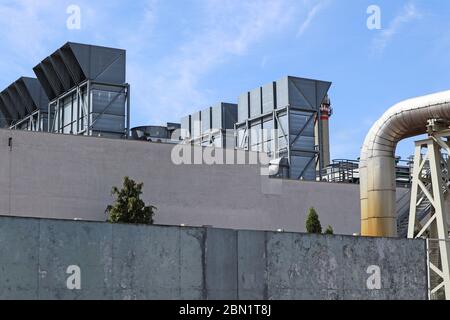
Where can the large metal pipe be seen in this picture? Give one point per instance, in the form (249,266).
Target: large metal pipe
(377,164)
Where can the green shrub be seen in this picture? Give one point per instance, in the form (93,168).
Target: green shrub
(128,206)
(329,230)
(312,222)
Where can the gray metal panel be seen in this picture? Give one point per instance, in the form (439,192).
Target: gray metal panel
(61,71)
(24,95)
(13,114)
(186,127)
(41,76)
(108,123)
(269,97)
(283,92)
(196,125)
(322,88)
(301,93)
(100,63)
(303,166)
(283,133)
(108,102)
(17,102)
(206,120)
(244,107)
(3,121)
(37,93)
(52,77)
(268,134)
(71,64)
(256,136)
(229,115)
(10,105)
(301,121)
(4,112)
(217,117)
(255,103)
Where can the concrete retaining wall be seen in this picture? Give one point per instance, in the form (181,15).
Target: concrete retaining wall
(66,177)
(39,260)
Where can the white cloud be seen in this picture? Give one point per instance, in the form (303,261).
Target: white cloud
(24,29)
(264,61)
(312,13)
(165,84)
(408,14)
(230,28)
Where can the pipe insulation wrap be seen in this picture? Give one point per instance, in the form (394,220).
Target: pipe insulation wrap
(377,163)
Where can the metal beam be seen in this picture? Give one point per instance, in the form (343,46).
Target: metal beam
(25,96)
(51,94)
(10,105)
(61,71)
(18,104)
(52,77)
(5,113)
(72,64)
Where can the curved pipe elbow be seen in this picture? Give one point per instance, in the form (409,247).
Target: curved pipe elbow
(377,163)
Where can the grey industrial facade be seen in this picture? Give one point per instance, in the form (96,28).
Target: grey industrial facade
(226,196)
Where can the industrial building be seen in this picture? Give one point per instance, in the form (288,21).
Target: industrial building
(69,129)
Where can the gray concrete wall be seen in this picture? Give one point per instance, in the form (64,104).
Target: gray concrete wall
(156,262)
(66,177)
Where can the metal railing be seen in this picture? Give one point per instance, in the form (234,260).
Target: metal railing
(347,171)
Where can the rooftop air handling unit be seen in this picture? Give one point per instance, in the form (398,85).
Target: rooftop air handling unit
(285,119)
(87,89)
(24,106)
(211,127)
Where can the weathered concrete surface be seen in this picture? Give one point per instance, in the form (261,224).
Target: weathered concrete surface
(156,262)
(66,177)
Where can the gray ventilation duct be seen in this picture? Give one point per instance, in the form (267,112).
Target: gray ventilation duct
(377,167)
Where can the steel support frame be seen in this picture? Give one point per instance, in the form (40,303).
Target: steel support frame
(88,121)
(286,132)
(34,122)
(435,194)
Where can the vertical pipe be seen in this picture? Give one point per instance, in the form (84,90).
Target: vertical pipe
(128,111)
(89,113)
(320,128)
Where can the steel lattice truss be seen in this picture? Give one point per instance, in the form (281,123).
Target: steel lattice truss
(430,186)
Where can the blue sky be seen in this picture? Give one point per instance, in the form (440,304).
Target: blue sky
(186,55)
